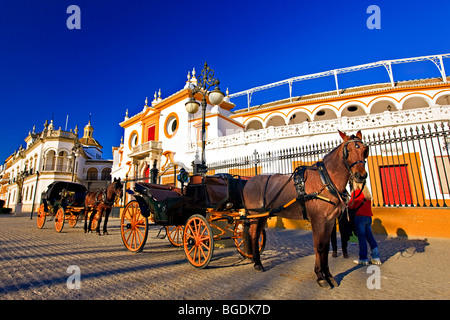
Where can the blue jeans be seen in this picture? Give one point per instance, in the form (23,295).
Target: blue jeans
(363,227)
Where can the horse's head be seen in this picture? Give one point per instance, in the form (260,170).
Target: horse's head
(355,154)
(117,186)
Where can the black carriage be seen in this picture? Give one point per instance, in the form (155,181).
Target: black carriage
(62,201)
(188,213)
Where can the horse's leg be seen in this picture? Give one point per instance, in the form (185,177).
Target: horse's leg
(86,215)
(321,235)
(318,249)
(255,230)
(324,258)
(321,239)
(100,210)
(107,212)
(92,214)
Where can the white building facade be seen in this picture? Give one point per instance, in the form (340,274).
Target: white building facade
(52,155)
(165,132)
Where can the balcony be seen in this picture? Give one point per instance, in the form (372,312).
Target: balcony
(151,149)
(57,168)
(371,121)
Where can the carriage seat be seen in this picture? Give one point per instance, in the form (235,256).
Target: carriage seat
(157,191)
(224,188)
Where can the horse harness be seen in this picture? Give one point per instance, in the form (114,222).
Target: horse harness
(299,182)
(104,200)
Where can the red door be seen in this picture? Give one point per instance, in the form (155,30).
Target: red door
(151,133)
(395,184)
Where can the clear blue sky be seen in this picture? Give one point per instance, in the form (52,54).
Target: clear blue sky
(128,49)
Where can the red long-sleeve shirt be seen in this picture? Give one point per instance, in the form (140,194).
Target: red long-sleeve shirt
(365,209)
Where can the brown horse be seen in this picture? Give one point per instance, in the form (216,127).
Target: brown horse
(101,202)
(322,198)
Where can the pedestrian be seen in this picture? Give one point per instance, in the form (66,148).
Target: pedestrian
(361,202)
(345,235)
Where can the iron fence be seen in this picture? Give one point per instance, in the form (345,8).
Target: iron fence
(407,167)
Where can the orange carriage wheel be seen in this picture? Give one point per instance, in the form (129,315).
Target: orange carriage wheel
(175,235)
(198,241)
(73,219)
(59,219)
(41,216)
(239,239)
(133,227)
(94,222)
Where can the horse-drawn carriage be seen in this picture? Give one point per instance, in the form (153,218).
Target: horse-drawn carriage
(189,213)
(67,200)
(62,201)
(316,192)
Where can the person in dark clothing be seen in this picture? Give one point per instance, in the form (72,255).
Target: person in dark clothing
(344,229)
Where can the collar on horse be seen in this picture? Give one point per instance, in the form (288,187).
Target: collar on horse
(302,197)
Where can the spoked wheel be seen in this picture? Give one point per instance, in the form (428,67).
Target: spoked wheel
(41,216)
(239,239)
(198,241)
(175,235)
(73,219)
(59,219)
(133,227)
(94,222)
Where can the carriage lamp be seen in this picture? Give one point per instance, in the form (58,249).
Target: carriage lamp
(204,83)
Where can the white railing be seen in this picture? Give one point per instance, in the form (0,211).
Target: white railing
(387,64)
(378,120)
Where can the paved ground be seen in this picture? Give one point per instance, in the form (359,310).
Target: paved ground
(34,264)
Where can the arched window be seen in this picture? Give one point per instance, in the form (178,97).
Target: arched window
(106,174)
(92,174)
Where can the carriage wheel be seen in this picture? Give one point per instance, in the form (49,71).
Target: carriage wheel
(59,219)
(175,235)
(41,216)
(73,219)
(239,239)
(133,227)
(94,222)
(198,241)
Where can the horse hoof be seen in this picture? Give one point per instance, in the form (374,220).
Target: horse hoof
(259,268)
(323,284)
(332,282)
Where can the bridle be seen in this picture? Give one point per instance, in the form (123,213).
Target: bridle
(350,166)
(345,155)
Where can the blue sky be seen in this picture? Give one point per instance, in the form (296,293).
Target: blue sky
(128,49)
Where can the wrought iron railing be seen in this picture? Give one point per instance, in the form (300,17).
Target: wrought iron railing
(407,167)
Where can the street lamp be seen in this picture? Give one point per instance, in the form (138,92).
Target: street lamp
(204,83)
(74,155)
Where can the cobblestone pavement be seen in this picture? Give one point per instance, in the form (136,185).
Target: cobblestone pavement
(34,264)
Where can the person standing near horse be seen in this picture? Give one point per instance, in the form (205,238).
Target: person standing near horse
(362,201)
(344,230)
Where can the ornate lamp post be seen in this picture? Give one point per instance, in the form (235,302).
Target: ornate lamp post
(204,83)
(74,155)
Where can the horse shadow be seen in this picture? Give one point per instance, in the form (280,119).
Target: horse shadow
(390,246)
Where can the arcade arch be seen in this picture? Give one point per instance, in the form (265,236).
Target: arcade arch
(415,102)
